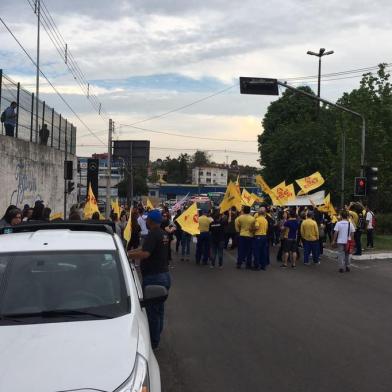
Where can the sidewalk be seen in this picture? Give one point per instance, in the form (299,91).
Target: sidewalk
(366,254)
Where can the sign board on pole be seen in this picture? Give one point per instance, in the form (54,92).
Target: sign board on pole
(259,86)
(135,152)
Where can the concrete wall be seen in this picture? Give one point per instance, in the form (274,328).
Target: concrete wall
(30,172)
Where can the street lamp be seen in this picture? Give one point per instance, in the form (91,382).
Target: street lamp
(320,54)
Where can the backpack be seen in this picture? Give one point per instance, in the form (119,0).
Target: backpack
(374,221)
(2,118)
(361,222)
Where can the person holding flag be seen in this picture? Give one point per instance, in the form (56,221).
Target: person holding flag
(154,269)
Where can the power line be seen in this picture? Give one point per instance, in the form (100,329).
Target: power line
(51,84)
(182,149)
(186,136)
(62,49)
(185,106)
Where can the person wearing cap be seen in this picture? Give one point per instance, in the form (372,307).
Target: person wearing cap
(154,269)
(310,238)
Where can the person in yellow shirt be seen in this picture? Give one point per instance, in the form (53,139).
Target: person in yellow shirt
(244,225)
(260,246)
(310,239)
(203,239)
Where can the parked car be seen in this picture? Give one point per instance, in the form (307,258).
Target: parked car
(71,312)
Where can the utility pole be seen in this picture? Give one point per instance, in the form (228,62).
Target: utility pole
(38,12)
(109,171)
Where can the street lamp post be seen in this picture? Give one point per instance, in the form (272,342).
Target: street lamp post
(320,54)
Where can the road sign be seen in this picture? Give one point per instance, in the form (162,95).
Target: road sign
(259,86)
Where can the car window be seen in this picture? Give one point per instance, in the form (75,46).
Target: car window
(47,283)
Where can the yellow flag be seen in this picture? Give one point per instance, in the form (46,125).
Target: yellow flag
(284,193)
(310,183)
(116,207)
(232,198)
(149,204)
(237,184)
(263,185)
(56,215)
(247,198)
(91,204)
(128,229)
(189,220)
(257,198)
(327,206)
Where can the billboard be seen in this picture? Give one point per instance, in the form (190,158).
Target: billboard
(133,152)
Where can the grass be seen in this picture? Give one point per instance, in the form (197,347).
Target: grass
(381,241)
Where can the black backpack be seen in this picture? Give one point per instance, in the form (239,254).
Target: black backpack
(361,222)
(2,118)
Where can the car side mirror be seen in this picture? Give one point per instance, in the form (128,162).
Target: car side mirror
(154,294)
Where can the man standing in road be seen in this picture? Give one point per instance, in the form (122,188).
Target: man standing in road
(310,238)
(141,220)
(203,239)
(290,246)
(155,270)
(244,226)
(261,243)
(9,118)
(344,230)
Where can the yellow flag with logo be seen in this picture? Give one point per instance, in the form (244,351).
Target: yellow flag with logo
(149,204)
(91,204)
(327,206)
(310,183)
(189,220)
(116,207)
(128,229)
(232,198)
(247,198)
(283,193)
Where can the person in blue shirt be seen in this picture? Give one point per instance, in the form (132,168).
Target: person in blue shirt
(10,119)
(290,246)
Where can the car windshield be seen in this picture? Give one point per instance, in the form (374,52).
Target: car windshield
(62,286)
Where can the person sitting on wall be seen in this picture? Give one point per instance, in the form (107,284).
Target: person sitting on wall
(44,135)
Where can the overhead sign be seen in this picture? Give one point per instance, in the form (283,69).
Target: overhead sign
(259,86)
(308,200)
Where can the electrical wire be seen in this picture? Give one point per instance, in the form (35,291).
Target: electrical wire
(51,84)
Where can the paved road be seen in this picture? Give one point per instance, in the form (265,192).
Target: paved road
(309,329)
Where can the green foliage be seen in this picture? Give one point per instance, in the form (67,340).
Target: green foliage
(297,140)
(384,223)
(139,183)
(177,169)
(200,158)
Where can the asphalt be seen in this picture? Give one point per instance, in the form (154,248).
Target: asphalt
(309,329)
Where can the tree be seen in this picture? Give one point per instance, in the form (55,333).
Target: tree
(177,169)
(297,139)
(373,99)
(139,183)
(200,158)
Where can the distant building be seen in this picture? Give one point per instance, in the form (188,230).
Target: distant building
(209,175)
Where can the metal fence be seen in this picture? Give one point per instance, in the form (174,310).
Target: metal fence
(62,133)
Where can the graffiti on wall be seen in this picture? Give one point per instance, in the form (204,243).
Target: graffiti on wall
(26,185)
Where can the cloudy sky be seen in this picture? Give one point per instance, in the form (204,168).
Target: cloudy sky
(143,58)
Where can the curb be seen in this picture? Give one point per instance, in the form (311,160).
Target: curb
(363,257)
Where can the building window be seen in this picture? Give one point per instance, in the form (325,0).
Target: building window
(208,180)
(222,174)
(200,172)
(208,174)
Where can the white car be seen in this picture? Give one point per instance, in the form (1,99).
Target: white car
(71,312)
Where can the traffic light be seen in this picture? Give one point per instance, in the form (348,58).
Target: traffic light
(70,186)
(360,186)
(372,179)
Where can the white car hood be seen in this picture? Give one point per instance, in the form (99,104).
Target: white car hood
(82,355)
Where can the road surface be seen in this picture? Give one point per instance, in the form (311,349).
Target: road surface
(310,329)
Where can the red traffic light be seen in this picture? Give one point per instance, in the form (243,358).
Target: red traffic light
(362,183)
